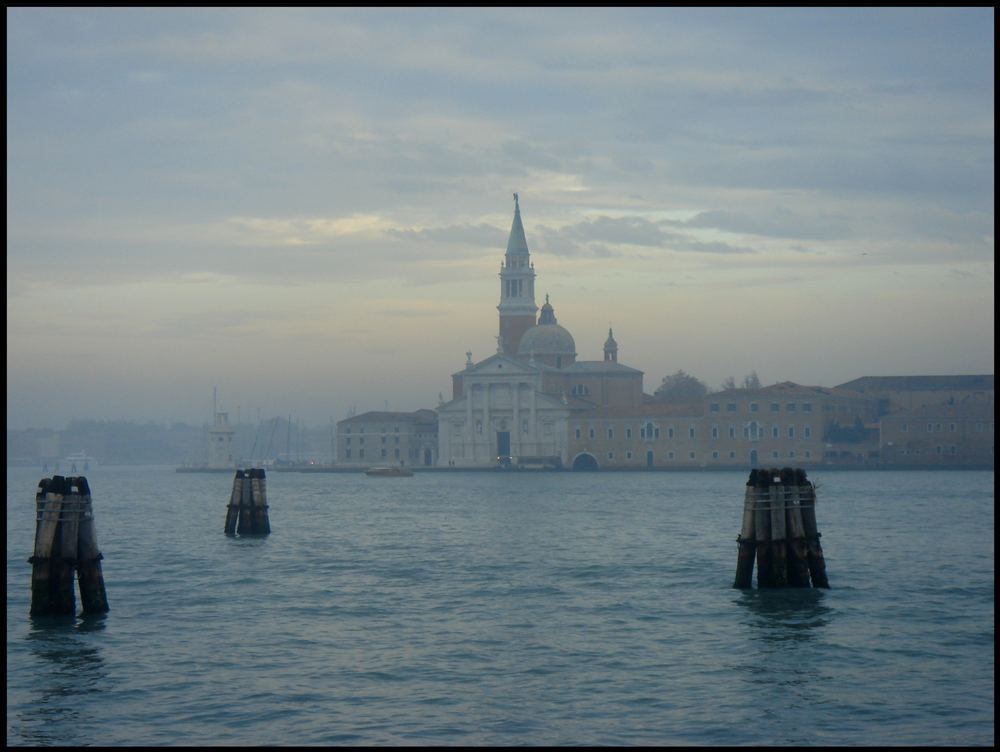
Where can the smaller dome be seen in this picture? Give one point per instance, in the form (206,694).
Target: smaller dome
(546,339)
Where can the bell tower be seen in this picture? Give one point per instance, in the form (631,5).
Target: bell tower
(517,288)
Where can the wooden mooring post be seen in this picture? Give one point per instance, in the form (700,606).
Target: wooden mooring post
(247,510)
(779,531)
(65,542)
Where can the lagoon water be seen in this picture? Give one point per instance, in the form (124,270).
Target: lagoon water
(509,609)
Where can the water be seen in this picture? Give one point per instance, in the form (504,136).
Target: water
(509,609)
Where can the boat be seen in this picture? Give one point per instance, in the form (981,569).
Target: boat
(389,472)
(77,462)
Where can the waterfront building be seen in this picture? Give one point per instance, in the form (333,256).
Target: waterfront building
(515,406)
(388,438)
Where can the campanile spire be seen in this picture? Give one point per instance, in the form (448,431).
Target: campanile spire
(517,287)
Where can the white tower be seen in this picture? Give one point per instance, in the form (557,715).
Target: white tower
(220,440)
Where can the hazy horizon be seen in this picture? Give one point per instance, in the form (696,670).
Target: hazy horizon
(307,208)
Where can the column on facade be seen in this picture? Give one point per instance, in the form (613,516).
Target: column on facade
(469,434)
(516,398)
(534,415)
(487,398)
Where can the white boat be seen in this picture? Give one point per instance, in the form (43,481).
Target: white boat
(389,472)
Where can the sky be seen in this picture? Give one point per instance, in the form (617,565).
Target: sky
(306,209)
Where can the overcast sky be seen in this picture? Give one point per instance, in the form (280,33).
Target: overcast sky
(307,208)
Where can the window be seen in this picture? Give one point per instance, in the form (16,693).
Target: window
(775,407)
(715,432)
(753,407)
(790,407)
(774,455)
(715,455)
(578,433)
(670,432)
(590,433)
(732,432)
(690,432)
(347,453)
(611,455)
(807,407)
(361,454)
(807,431)
(791,432)
(348,441)
(628,433)
(775,432)
(690,455)
(731,407)
(611,433)
(714,407)
(732,455)
(383,453)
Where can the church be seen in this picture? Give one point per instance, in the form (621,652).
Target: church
(516,407)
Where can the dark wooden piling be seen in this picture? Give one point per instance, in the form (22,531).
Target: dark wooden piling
(814,552)
(93,595)
(48,506)
(762,528)
(779,562)
(235,499)
(64,563)
(65,550)
(244,525)
(748,546)
(261,525)
(247,511)
(779,532)
(798,563)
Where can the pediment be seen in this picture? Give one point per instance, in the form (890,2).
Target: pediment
(499,365)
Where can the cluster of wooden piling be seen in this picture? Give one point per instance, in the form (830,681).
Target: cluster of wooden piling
(779,531)
(247,511)
(65,541)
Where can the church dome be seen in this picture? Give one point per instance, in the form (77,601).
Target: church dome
(546,339)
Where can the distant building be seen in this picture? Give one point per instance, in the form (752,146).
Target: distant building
(515,406)
(534,404)
(388,438)
(220,443)
(907,392)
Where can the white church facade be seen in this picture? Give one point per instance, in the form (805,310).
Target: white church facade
(515,407)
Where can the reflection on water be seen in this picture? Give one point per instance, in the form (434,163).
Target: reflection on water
(69,667)
(784,624)
(785,613)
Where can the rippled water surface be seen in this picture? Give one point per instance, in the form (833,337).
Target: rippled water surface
(509,609)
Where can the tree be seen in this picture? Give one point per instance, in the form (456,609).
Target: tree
(750,381)
(680,387)
(728,383)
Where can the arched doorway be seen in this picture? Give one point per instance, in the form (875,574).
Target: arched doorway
(649,458)
(753,458)
(585,462)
